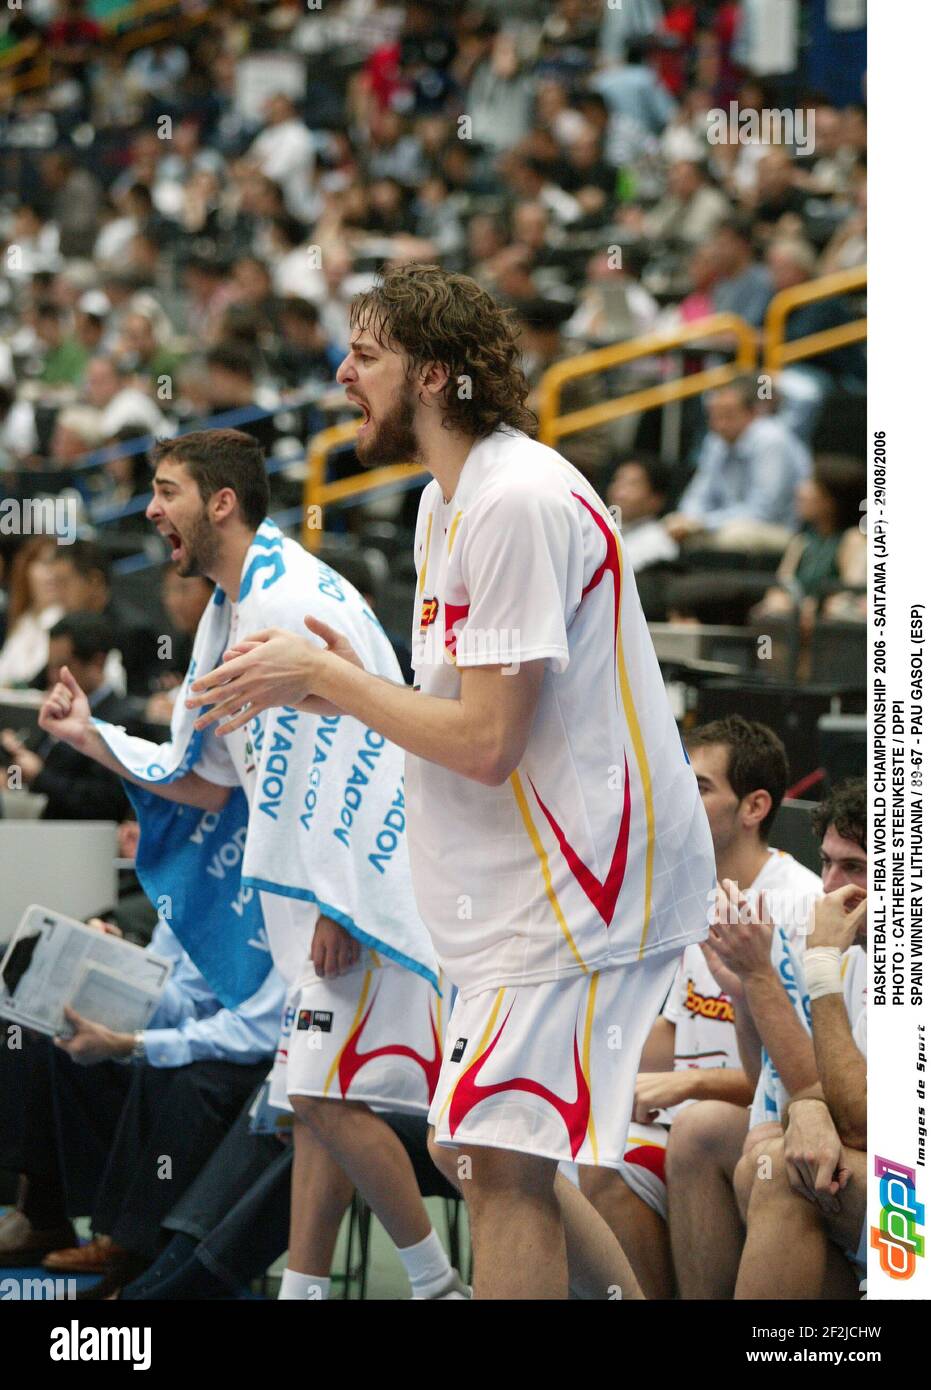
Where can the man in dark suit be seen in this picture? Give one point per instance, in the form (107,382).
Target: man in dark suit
(77,788)
(84,580)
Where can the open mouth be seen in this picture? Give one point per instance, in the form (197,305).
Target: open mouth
(366,414)
(175,543)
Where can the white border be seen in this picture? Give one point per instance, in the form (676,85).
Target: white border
(899,404)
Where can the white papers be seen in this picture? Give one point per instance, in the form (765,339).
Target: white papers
(53,960)
(110,998)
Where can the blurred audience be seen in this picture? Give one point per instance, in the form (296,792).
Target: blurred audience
(829,553)
(35,605)
(75,787)
(83,577)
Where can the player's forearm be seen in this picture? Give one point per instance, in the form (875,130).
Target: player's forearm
(189,790)
(841,1068)
(441,731)
(659,1049)
(781,1031)
(749,1046)
(93,745)
(723,1083)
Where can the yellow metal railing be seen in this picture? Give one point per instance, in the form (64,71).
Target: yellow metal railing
(19,52)
(318,492)
(164,18)
(777,352)
(554,426)
(38,75)
(167,16)
(138,9)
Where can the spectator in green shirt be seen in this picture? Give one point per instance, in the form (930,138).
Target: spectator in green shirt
(65,358)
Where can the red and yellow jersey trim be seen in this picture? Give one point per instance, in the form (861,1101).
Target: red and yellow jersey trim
(422,576)
(613,563)
(482,1044)
(540,850)
(360,1009)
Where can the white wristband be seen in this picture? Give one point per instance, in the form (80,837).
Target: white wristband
(822,971)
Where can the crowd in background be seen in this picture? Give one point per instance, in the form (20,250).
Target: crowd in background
(184,230)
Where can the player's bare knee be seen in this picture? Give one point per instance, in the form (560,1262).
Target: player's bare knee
(314,1112)
(696,1136)
(760,1135)
(499,1173)
(760,1174)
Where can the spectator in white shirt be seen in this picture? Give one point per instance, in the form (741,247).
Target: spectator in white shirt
(613,305)
(285,149)
(18,435)
(297,265)
(32,244)
(120,403)
(77,431)
(691,211)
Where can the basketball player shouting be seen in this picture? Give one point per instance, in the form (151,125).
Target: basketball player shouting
(560,852)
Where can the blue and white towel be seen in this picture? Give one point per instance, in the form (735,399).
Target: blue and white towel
(328,816)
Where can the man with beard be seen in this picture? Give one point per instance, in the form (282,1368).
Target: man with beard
(560,853)
(363,1026)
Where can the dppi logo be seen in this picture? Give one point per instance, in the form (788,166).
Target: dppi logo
(896,1237)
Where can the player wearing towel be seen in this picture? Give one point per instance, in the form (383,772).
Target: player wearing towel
(364,1024)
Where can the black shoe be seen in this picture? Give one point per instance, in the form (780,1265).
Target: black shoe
(124,1271)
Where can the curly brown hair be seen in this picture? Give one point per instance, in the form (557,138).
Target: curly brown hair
(844,807)
(436,316)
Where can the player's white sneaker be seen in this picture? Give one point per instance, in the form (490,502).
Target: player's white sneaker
(455,1288)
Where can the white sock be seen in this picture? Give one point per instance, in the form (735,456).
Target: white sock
(427,1266)
(297,1287)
